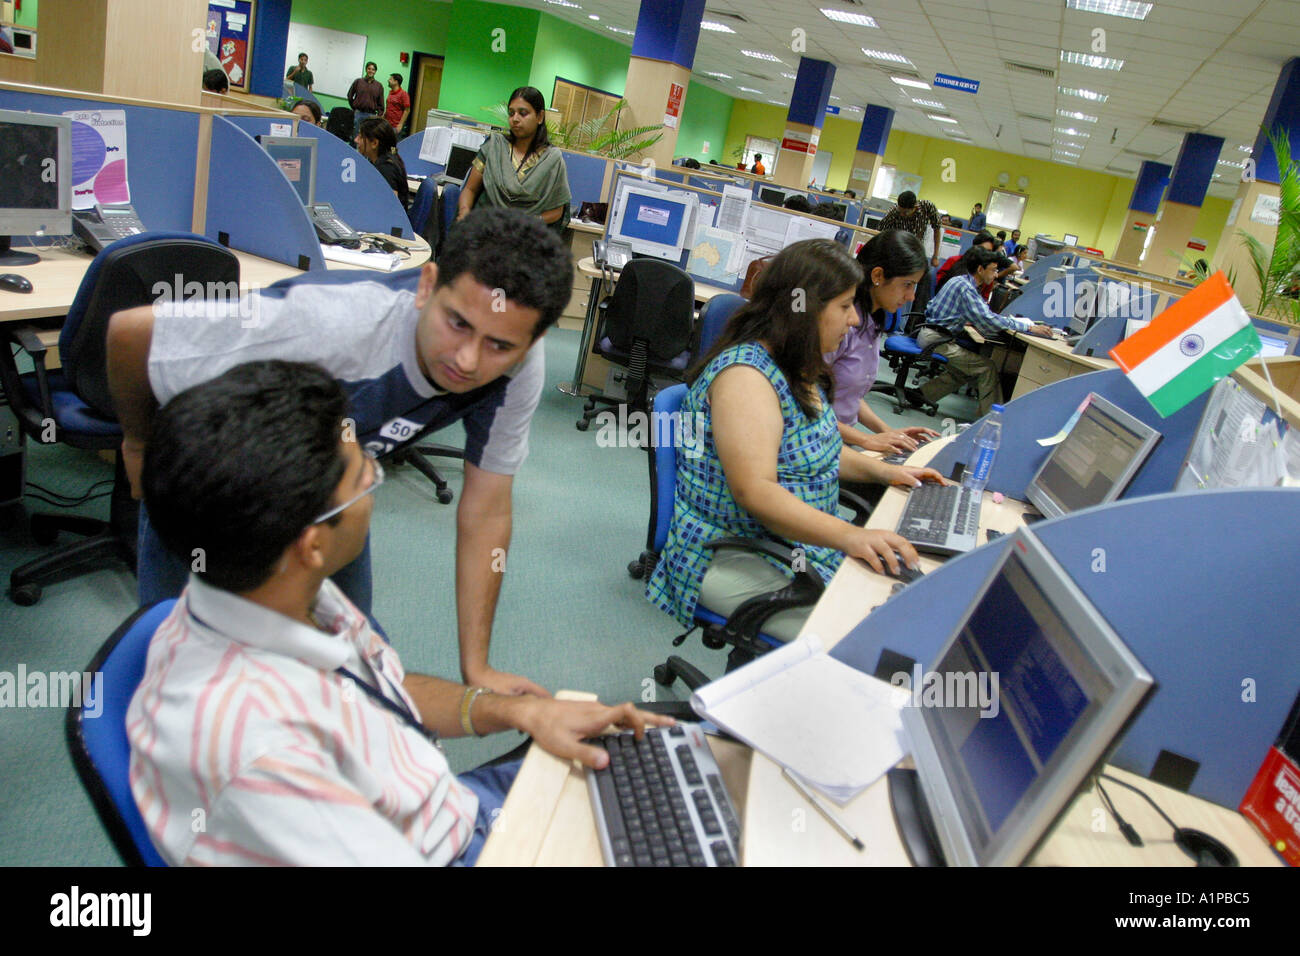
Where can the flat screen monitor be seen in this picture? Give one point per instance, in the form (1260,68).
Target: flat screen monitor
(1035,688)
(35,180)
(652,222)
(1095,462)
(832,210)
(1085,307)
(1071,240)
(458,164)
(296,157)
(1046,246)
(773,197)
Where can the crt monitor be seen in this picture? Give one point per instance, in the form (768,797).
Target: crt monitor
(831,210)
(458,163)
(653,222)
(773,197)
(35,180)
(1034,689)
(296,157)
(1085,307)
(1071,240)
(1095,462)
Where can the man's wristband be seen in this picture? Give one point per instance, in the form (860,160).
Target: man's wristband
(466,705)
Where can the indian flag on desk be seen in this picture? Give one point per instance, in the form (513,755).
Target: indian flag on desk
(1188,347)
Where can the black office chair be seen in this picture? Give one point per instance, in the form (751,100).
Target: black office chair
(646,327)
(340,122)
(75,398)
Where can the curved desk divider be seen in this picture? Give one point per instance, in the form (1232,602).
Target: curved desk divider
(1043,412)
(350,183)
(251,206)
(1040,267)
(409,150)
(1196,584)
(1102,337)
(161,146)
(1048,298)
(587,175)
(261,125)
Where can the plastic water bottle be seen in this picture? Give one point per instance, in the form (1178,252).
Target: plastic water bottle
(987,440)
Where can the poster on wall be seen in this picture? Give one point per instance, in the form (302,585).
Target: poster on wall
(229,33)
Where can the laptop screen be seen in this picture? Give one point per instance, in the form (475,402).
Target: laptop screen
(1095,462)
(459,162)
(1035,686)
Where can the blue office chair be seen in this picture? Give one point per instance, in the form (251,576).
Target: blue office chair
(742,630)
(100,750)
(76,397)
(904,353)
(646,327)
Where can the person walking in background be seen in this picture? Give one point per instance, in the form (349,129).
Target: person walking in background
(921,219)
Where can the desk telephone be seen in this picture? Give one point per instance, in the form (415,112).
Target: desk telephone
(101,225)
(329,227)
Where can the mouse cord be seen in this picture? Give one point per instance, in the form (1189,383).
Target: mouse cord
(1143,795)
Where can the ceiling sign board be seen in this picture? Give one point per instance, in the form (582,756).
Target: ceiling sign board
(957,83)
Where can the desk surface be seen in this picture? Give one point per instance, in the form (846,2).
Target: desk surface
(57,277)
(1060,348)
(703,293)
(547,819)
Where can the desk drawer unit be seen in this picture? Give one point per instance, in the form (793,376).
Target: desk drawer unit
(1043,368)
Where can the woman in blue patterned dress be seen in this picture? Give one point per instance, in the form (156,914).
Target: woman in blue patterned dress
(768,459)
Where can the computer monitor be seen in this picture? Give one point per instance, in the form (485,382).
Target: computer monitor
(997,769)
(1095,462)
(1085,307)
(458,164)
(773,197)
(1046,246)
(296,157)
(1071,240)
(653,222)
(832,210)
(1271,345)
(35,180)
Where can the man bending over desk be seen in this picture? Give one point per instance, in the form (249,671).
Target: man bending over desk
(465,346)
(268,702)
(957,303)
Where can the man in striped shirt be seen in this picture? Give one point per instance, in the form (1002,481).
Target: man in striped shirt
(958,303)
(272,724)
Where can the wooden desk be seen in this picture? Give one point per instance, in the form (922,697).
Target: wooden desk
(1050,360)
(590,369)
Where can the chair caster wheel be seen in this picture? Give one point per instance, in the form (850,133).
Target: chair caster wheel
(581,424)
(444,496)
(42,532)
(634,569)
(25,595)
(663,676)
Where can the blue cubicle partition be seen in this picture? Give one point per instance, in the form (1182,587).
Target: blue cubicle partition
(409,150)
(586,177)
(161,147)
(1200,586)
(1043,412)
(350,183)
(252,207)
(1048,298)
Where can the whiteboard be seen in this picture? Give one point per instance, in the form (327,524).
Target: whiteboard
(335,58)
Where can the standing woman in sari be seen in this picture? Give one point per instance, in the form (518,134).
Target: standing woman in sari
(520,169)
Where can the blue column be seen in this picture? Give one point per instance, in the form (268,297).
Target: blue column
(1283,113)
(1194,168)
(1150,187)
(877,121)
(668,30)
(812,92)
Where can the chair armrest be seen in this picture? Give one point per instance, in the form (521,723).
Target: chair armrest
(29,340)
(743,626)
(860,507)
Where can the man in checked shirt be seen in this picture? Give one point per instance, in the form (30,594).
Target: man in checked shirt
(958,303)
(917,217)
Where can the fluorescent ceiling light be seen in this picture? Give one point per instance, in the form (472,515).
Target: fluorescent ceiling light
(1246,149)
(1086,94)
(1092,60)
(747,89)
(886,56)
(1113,8)
(790,76)
(1070,144)
(1074,114)
(940,119)
(844,16)
(626,33)
(908,81)
(837,99)
(592,16)
(715,27)
(1071,131)
(759,55)
(931,104)
(1228,162)
(564,3)
(718,76)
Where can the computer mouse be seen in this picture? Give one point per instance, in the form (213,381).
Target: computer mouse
(1203,848)
(13,282)
(905,574)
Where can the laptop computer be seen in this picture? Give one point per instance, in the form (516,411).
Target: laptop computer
(1036,688)
(459,163)
(596,212)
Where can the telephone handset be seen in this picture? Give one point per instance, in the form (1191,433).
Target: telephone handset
(329,227)
(101,225)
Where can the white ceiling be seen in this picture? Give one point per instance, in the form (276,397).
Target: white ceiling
(1207,64)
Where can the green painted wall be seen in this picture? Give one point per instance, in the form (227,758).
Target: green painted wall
(578,55)
(483,65)
(391,27)
(26,17)
(706,115)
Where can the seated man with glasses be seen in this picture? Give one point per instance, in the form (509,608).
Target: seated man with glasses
(273,725)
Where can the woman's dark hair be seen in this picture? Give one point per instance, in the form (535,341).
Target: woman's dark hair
(898,253)
(533,97)
(1019,250)
(378,129)
(798,204)
(312,106)
(788,300)
(237,467)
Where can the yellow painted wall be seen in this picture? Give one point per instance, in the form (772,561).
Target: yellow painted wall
(1062,199)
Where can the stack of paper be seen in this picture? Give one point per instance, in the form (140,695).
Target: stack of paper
(384,261)
(836,727)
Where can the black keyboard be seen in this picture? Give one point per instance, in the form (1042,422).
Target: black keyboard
(661,801)
(935,514)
